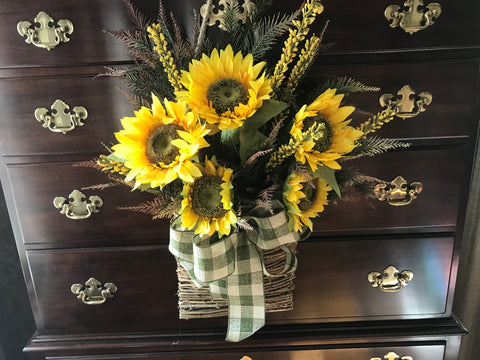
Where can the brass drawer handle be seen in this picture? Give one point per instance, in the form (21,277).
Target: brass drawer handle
(44,32)
(392,356)
(390,279)
(60,118)
(398,192)
(414,17)
(217,13)
(76,207)
(93,293)
(406,104)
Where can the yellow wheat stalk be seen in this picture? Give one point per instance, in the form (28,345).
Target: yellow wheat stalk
(376,122)
(155,33)
(301,28)
(305,59)
(112,165)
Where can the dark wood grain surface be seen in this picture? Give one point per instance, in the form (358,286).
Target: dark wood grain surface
(331,285)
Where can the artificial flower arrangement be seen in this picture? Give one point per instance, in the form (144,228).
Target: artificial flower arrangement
(231,151)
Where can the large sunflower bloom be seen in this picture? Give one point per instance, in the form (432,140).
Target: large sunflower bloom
(207,202)
(304,201)
(338,138)
(159,144)
(225,88)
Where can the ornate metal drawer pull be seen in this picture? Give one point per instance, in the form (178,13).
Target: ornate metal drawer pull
(44,32)
(406,104)
(60,118)
(76,207)
(414,17)
(391,279)
(217,13)
(93,293)
(398,192)
(392,356)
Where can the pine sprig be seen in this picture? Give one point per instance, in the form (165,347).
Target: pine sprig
(266,32)
(160,207)
(372,146)
(346,85)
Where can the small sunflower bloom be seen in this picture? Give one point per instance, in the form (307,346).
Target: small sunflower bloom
(160,144)
(225,88)
(304,199)
(338,139)
(207,203)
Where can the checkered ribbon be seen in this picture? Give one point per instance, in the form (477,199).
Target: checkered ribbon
(233,266)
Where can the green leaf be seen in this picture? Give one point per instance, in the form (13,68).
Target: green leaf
(250,143)
(328,175)
(250,138)
(113,157)
(231,137)
(269,109)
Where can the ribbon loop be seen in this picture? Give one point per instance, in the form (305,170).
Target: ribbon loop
(213,261)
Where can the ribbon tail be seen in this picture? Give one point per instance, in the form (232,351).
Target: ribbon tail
(246,299)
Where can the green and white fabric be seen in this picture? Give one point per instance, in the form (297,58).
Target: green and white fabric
(233,266)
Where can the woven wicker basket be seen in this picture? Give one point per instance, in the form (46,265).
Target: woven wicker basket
(195,303)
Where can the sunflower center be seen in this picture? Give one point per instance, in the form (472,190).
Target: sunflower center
(324,143)
(206,197)
(225,94)
(309,199)
(159,144)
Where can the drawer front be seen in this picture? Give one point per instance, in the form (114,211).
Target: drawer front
(451,112)
(146,286)
(22,134)
(34,191)
(36,186)
(442,173)
(355,27)
(88,43)
(418,352)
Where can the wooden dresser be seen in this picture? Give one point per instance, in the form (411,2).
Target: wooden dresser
(338,314)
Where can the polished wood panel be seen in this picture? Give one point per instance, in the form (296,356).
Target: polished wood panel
(89,44)
(34,187)
(359,28)
(430,352)
(23,134)
(331,285)
(440,171)
(451,113)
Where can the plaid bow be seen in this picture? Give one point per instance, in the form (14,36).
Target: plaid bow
(233,266)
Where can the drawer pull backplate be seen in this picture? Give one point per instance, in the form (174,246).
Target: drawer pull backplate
(93,292)
(77,207)
(60,118)
(406,104)
(217,14)
(390,279)
(398,192)
(44,32)
(414,16)
(392,356)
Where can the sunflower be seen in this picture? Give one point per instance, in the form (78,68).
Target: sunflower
(159,144)
(304,199)
(207,202)
(338,138)
(225,88)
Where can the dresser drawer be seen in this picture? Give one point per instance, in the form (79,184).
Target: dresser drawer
(35,187)
(88,43)
(22,134)
(331,285)
(451,84)
(416,352)
(34,190)
(443,174)
(355,27)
